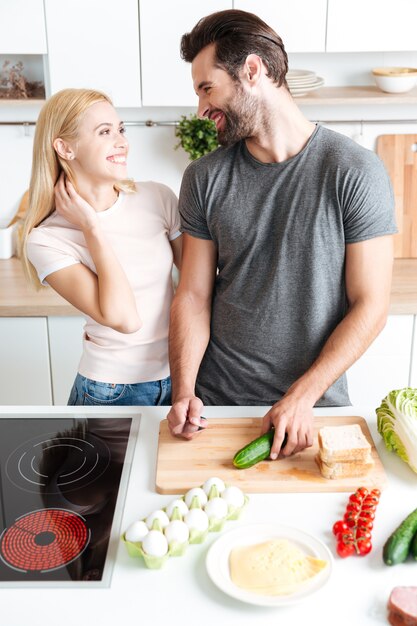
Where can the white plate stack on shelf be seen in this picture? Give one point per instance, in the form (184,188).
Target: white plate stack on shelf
(301,82)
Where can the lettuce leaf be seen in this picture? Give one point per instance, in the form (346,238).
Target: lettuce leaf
(397,424)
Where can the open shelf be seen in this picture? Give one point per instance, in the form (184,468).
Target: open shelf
(356,95)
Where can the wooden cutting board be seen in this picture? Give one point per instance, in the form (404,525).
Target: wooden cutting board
(399,153)
(183,464)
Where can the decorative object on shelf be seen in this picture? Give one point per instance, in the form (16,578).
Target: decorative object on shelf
(198,136)
(301,82)
(395,79)
(15,86)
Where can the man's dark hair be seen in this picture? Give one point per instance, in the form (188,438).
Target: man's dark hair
(237,34)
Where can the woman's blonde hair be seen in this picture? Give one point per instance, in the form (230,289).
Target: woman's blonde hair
(59,118)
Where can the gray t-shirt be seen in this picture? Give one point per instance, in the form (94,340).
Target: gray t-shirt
(280,230)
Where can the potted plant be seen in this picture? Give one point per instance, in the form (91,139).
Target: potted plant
(198,136)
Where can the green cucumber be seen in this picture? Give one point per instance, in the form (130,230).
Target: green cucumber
(413,547)
(257,450)
(398,545)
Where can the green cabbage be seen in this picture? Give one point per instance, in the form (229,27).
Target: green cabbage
(397,424)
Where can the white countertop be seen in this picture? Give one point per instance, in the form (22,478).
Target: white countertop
(181,594)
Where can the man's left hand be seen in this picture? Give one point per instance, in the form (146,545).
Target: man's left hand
(293,417)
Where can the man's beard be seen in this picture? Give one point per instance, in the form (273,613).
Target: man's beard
(240,118)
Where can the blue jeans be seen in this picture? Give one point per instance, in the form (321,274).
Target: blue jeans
(91,392)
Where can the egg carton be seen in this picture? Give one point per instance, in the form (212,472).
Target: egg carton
(169,531)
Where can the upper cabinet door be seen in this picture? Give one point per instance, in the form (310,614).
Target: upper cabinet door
(300,23)
(371,25)
(22,27)
(166,78)
(95,45)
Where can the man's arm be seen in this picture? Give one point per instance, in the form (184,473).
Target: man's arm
(368,274)
(190,332)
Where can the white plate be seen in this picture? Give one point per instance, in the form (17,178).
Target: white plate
(301,91)
(298,85)
(217,561)
(297,74)
(317,83)
(302,81)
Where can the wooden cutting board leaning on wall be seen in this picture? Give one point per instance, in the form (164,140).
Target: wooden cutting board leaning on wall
(399,153)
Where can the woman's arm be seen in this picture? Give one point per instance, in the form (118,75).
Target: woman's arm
(106,297)
(176,245)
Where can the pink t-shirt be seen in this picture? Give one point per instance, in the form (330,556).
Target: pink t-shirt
(139,227)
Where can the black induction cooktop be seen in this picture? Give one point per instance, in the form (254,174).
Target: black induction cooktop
(62,479)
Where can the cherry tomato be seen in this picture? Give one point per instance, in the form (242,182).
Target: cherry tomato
(371,500)
(354,507)
(367,514)
(345,549)
(368,508)
(363,547)
(353,532)
(363,533)
(345,538)
(364,522)
(340,527)
(355,498)
(351,520)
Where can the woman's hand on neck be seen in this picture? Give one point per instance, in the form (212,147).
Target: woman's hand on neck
(99,194)
(75,208)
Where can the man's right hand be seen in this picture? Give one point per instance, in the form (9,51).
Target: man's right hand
(184,418)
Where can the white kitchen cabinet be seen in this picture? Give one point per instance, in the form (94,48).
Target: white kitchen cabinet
(385,365)
(22,27)
(300,23)
(371,25)
(65,346)
(25,376)
(95,45)
(413,372)
(166,78)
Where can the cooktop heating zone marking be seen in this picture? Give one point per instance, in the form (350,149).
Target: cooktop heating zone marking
(25,466)
(44,540)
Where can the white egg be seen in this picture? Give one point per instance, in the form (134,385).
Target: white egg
(177,531)
(233,496)
(177,504)
(210,482)
(155,543)
(161,516)
(216,507)
(136,531)
(197,519)
(198,493)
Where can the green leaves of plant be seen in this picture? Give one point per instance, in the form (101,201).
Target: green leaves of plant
(198,136)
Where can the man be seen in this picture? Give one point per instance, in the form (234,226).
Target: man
(287,256)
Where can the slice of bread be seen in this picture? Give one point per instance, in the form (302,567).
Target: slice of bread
(338,444)
(343,469)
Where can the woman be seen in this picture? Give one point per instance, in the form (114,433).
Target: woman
(106,245)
